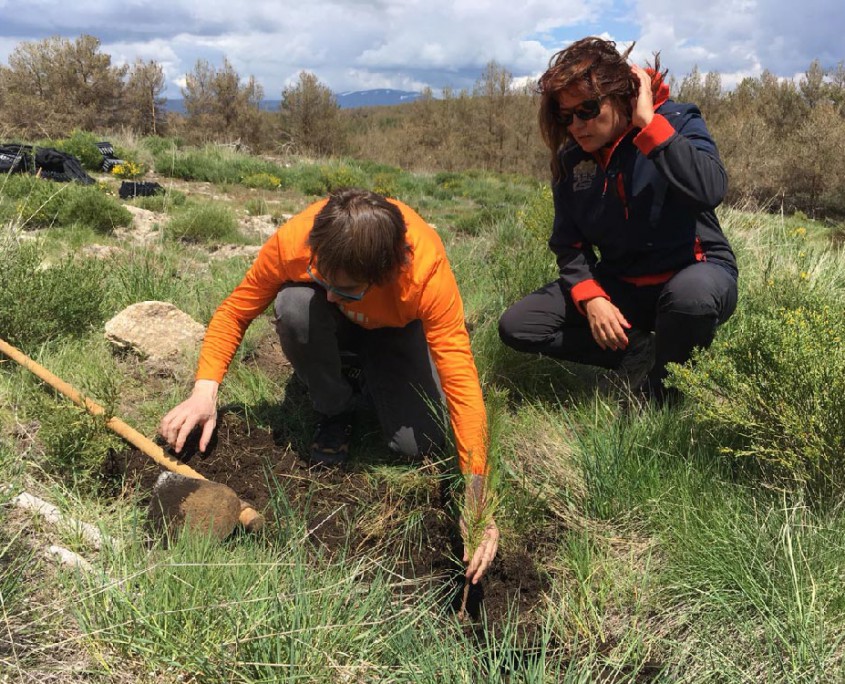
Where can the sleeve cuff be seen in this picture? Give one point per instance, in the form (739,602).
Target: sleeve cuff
(587,289)
(206,371)
(656,133)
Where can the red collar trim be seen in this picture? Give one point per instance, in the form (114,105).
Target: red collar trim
(661,93)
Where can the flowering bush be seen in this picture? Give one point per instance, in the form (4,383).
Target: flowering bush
(128,169)
(262,181)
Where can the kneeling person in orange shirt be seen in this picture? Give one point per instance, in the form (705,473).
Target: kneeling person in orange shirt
(358,273)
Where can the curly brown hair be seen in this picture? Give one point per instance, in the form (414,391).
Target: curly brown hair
(595,67)
(361,234)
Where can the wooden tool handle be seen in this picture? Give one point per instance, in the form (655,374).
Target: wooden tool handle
(250,518)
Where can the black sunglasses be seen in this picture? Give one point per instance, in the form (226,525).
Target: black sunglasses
(588,109)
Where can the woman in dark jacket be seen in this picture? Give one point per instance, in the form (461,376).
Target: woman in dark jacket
(646,273)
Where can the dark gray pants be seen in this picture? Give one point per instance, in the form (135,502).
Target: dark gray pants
(683,313)
(398,375)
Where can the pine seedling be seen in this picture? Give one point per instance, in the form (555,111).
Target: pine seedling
(479,508)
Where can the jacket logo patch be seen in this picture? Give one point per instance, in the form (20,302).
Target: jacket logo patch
(583,175)
(355,316)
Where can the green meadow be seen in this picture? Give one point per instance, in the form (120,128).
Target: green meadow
(700,542)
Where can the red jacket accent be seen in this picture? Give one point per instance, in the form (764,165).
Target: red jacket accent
(656,133)
(587,289)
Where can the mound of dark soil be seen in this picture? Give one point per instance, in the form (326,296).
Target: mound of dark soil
(351,511)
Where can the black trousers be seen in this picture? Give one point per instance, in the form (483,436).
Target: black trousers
(683,313)
(398,374)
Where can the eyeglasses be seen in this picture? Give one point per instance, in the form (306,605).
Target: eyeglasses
(352,296)
(588,109)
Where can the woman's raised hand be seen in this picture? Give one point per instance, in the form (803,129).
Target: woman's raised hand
(642,106)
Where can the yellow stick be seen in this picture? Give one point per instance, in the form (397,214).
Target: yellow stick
(249,518)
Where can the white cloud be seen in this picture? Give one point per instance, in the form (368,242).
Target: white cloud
(406,44)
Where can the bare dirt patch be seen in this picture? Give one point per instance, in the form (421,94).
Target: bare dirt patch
(145,228)
(352,511)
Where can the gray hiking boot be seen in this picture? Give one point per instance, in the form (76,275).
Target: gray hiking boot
(634,367)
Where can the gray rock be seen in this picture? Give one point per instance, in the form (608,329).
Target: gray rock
(156,331)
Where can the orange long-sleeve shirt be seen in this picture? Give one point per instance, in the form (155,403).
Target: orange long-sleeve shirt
(424,290)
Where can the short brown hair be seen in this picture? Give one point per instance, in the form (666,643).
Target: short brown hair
(594,66)
(360,233)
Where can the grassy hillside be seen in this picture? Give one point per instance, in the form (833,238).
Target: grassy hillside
(701,543)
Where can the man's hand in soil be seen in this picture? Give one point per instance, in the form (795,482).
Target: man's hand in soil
(477,503)
(200,409)
(484,554)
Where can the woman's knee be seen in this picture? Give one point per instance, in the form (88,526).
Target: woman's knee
(510,325)
(703,291)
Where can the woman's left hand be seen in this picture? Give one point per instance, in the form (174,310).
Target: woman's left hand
(642,106)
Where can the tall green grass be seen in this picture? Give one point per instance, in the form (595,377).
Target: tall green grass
(31,202)
(41,302)
(207,223)
(699,543)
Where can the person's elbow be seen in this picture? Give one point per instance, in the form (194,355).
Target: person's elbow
(718,188)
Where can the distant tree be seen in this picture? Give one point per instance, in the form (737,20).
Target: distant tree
(427,131)
(837,87)
(198,93)
(142,98)
(812,85)
(55,85)
(219,106)
(494,99)
(813,172)
(780,103)
(309,117)
(704,91)
(691,88)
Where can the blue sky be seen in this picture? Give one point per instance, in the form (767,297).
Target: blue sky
(410,44)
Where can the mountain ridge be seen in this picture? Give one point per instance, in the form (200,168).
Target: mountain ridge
(350,99)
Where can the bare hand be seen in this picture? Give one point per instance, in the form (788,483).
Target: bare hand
(480,504)
(607,324)
(484,554)
(200,409)
(642,106)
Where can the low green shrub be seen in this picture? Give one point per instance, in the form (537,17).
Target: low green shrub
(161,202)
(262,181)
(538,214)
(33,203)
(257,206)
(76,444)
(158,145)
(308,179)
(204,223)
(39,303)
(38,203)
(385,183)
(212,164)
(83,146)
(477,222)
(343,176)
(772,392)
(90,207)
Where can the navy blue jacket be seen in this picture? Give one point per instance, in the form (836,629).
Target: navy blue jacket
(649,213)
